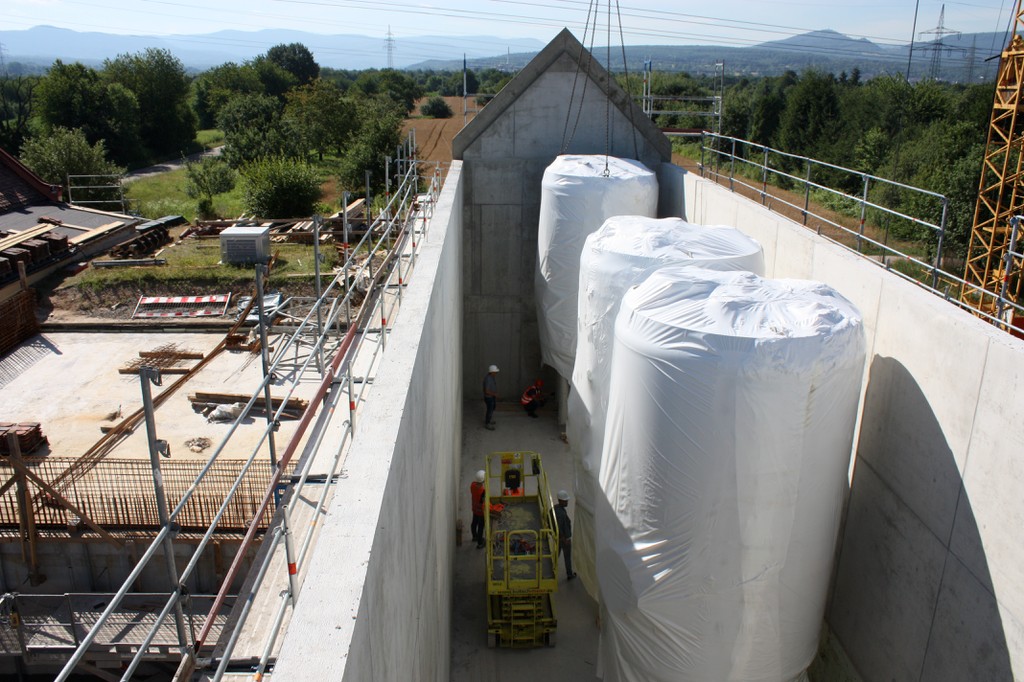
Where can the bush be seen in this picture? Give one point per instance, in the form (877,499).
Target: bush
(204,179)
(436,107)
(280,188)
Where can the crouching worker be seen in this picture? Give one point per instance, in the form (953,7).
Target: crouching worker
(533,398)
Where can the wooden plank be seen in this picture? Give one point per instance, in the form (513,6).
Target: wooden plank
(225,398)
(18,237)
(95,232)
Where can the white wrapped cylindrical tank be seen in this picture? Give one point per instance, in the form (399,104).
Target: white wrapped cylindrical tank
(730,423)
(622,253)
(578,193)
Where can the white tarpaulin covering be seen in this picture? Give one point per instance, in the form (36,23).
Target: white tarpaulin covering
(622,253)
(730,424)
(576,198)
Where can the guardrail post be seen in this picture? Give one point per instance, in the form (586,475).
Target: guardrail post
(157,448)
(863,212)
(703,144)
(807,192)
(764,177)
(938,247)
(732,165)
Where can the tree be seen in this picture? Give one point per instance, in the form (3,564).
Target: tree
(436,107)
(296,59)
(810,114)
(63,152)
(276,81)
(253,129)
(380,122)
(277,187)
(390,83)
(158,81)
(15,110)
(74,96)
(212,89)
(321,116)
(206,178)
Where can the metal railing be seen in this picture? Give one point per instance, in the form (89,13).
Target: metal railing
(755,169)
(340,327)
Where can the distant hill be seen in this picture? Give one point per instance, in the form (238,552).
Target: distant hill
(827,50)
(43,44)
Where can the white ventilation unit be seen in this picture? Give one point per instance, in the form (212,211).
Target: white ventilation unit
(245,245)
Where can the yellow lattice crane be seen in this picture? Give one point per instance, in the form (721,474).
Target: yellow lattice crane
(1000,194)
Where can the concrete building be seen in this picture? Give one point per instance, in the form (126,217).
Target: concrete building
(928,576)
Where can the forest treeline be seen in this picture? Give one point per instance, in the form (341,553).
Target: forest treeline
(141,108)
(927,134)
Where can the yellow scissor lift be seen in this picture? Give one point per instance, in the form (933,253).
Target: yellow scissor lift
(522,552)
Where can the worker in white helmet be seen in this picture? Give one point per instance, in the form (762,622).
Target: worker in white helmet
(564,532)
(478,498)
(490,395)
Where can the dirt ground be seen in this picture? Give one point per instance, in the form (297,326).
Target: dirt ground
(434,135)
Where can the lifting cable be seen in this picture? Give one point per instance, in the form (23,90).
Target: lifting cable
(567,135)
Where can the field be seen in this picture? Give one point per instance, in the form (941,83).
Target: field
(434,135)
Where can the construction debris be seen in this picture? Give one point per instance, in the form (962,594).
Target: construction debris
(198,444)
(207,402)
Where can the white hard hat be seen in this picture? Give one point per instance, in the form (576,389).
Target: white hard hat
(480,476)
(562,495)
(493,368)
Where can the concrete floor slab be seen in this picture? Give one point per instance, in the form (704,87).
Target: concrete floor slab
(69,382)
(574,656)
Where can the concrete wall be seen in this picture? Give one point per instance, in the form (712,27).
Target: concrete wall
(504,165)
(376,601)
(930,574)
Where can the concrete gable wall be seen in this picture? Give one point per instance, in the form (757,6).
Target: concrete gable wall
(503,166)
(928,584)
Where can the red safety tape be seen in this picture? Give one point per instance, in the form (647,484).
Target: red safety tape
(352,405)
(383,321)
(291,568)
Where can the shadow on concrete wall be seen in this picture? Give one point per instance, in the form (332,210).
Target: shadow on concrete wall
(913,598)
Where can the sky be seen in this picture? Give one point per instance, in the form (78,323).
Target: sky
(659,22)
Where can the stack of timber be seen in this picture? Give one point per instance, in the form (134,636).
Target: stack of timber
(29,434)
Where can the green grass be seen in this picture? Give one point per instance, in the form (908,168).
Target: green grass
(209,139)
(164,194)
(194,263)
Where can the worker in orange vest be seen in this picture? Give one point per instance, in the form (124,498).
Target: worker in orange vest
(533,397)
(477,495)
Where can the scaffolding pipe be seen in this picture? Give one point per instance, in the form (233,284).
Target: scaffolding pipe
(265,358)
(157,448)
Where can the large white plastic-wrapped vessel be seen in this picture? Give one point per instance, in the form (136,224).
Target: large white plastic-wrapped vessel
(622,253)
(577,196)
(730,424)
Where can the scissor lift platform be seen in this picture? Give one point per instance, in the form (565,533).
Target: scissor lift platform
(522,552)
